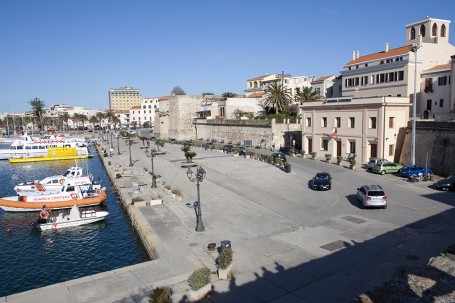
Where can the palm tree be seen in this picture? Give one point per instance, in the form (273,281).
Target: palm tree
(277,96)
(65,117)
(100,116)
(228,95)
(93,120)
(110,117)
(307,94)
(116,120)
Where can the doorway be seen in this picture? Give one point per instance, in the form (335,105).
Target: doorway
(338,148)
(373,150)
(310,145)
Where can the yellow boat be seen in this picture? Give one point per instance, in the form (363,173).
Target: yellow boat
(53,153)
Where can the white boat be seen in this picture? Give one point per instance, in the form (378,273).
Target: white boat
(73,176)
(27,146)
(75,218)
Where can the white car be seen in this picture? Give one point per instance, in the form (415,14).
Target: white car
(372,196)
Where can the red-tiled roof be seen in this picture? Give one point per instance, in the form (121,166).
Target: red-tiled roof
(255,95)
(258,78)
(322,78)
(441,66)
(136,107)
(391,53)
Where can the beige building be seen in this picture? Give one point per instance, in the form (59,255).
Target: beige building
(123,98)
(391,71)
(367,127)
(435,93)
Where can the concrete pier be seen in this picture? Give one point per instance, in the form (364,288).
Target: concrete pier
(290,243)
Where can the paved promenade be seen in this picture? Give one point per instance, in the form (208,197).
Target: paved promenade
(291,244)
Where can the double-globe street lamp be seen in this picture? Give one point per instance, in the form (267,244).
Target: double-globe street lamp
(118,143)
(414,47)
(151,154)
(199,177)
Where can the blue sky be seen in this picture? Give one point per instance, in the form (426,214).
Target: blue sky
(74,51)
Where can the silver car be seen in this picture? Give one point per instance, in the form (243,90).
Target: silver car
(372,196)
(375,161)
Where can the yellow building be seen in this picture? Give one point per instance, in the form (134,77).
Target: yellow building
(123,98)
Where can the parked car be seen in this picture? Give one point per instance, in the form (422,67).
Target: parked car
(446,184)
(322,181)
(407,171)
(372,196)
(375,161)
(288,150)
(387,168)
(280,156)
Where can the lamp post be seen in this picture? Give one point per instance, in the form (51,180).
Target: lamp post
(151,154)
(199,177)
(414,47)
(118,144)
(112,142)
(129,142)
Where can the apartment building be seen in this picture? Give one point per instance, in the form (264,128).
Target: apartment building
(435,92)
(135,117)
(327,86)
(257,85)
(123,98)
(149,106)
(377,94)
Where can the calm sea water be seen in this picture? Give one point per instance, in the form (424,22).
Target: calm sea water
(31,259)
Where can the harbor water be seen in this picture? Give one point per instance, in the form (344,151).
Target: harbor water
(32,259)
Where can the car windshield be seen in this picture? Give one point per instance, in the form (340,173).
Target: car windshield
(451,177)
(322,177)
(376,193)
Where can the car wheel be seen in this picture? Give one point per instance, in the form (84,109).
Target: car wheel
(330,187)
(382,172)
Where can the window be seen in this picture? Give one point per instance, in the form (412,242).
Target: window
(442,80)
(308,122)
(317,90)
(422,30)
(324,122)
(434,30)
(337,121)
(352,147)
(413,33)
(391,122)
(324,144)
(401,75)
(372,122)
(391,148)
(443,30)
(351,122)
(441,102)
(428,85)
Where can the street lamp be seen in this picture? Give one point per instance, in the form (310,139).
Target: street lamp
(414,47)
(151,154)
(129,142)
(199,177)
(118,144)
(112,142)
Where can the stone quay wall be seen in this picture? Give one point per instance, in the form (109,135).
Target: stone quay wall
(435,146)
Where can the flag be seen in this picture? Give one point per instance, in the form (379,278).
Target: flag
(334,132)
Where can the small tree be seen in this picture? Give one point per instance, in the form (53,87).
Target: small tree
(199,278)
(177,90)
(189,155)
(161,295)
(224,259)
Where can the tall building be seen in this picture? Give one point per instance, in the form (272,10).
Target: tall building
(123,98)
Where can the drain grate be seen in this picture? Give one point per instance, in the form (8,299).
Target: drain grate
(193,244)
(335,245)
(354,219)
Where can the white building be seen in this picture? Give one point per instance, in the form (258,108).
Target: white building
(135,117)
(435,93)
(257,85)
(149,107)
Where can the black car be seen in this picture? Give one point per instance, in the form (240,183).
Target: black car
(279,156)
(288,150)
(322,181)
(446,184)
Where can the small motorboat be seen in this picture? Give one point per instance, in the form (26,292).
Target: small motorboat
(75,218)
(73,176)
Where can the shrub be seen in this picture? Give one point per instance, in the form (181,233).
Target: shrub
(328,156)
(352,162)
(199,278)
(161,295)
(339,159)
(313,155)
(177,192)
(167,186)
(137,199)
(224,259)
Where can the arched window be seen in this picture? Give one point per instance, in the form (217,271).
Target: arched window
(422,30)
(255,85)
(443,30)
(413,33)
(434,30)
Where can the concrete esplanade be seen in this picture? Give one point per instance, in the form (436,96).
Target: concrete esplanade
(290,243)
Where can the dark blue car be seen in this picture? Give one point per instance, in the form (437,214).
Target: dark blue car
(408,170)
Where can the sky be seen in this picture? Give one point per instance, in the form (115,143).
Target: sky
(73,51)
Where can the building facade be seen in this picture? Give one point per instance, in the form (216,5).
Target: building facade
(435,93)
(123,98)
(257,85)
(366,127)
(149,107)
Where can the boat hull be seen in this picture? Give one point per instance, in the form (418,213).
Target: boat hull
(11,204)
(45,158)
(99,216)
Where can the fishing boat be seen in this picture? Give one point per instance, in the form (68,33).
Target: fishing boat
(73,176)
(68,196)
(27,146)
(75,218)
(53,154)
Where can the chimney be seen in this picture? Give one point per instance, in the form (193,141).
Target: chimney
(357,54)
(386,47)
(353,55)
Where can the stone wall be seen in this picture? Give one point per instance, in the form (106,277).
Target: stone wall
(435,141)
